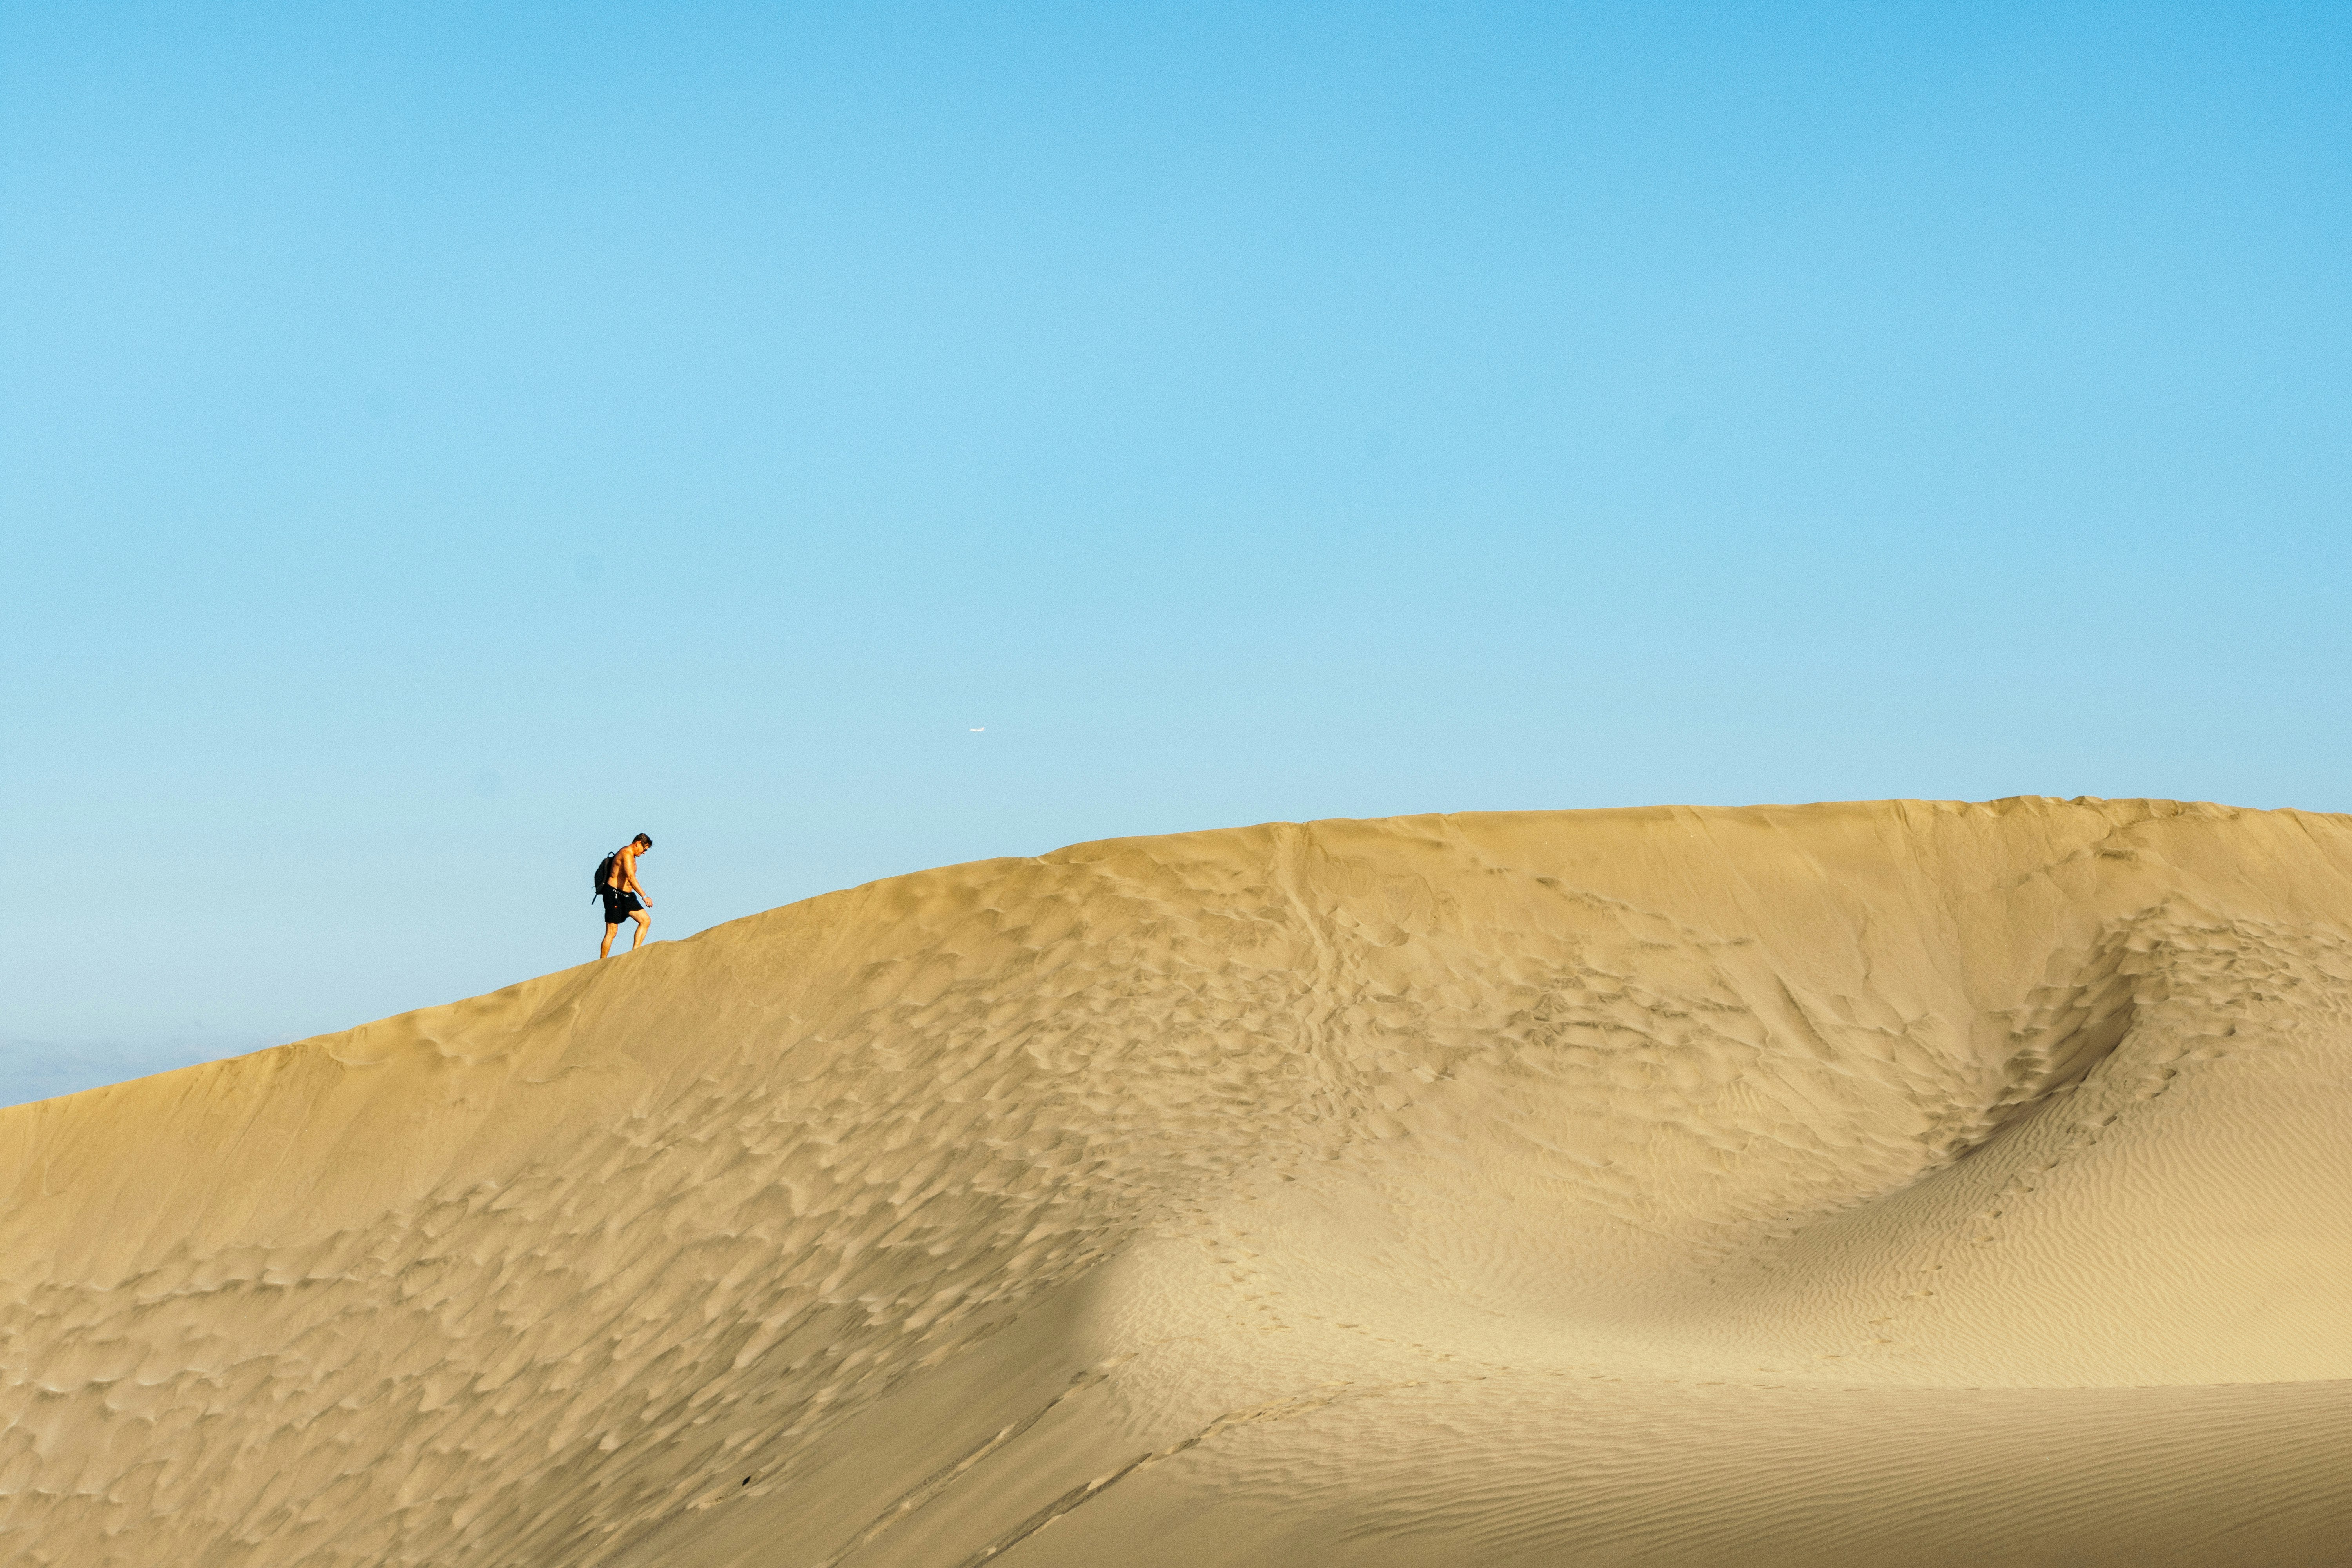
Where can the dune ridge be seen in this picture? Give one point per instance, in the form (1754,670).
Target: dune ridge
(1963,1184)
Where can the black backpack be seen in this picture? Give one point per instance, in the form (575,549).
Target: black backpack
(604,871)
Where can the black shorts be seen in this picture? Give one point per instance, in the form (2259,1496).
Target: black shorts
(618,904)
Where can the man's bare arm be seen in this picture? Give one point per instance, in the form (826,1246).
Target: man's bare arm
(629,883)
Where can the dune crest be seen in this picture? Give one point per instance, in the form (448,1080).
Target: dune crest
(1922,1181)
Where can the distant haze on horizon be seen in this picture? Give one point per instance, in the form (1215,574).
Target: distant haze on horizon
(437,443)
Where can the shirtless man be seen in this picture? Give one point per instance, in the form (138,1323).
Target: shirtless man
(624,897)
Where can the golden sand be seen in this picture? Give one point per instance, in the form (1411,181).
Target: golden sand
(1908,1183)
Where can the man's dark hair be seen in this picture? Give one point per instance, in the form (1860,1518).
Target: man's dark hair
(644,838)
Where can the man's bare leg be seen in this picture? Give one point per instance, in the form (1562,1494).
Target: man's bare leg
(610,931)
(645,923)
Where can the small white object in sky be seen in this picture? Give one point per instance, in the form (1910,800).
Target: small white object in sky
(976,728)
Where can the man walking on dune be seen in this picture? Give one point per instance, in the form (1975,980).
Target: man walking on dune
(625,900)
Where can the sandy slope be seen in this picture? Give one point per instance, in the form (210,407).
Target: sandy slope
(1918,1182)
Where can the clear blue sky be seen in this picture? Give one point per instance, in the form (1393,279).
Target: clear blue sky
(438,441)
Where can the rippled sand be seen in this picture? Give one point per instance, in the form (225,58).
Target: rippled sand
(1899,1183)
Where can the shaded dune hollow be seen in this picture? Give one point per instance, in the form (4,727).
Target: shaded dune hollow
(1908,1181)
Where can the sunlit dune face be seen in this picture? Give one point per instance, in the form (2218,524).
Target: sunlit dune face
(1909,1182)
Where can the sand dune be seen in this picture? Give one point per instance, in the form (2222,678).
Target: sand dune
(1902,1182)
